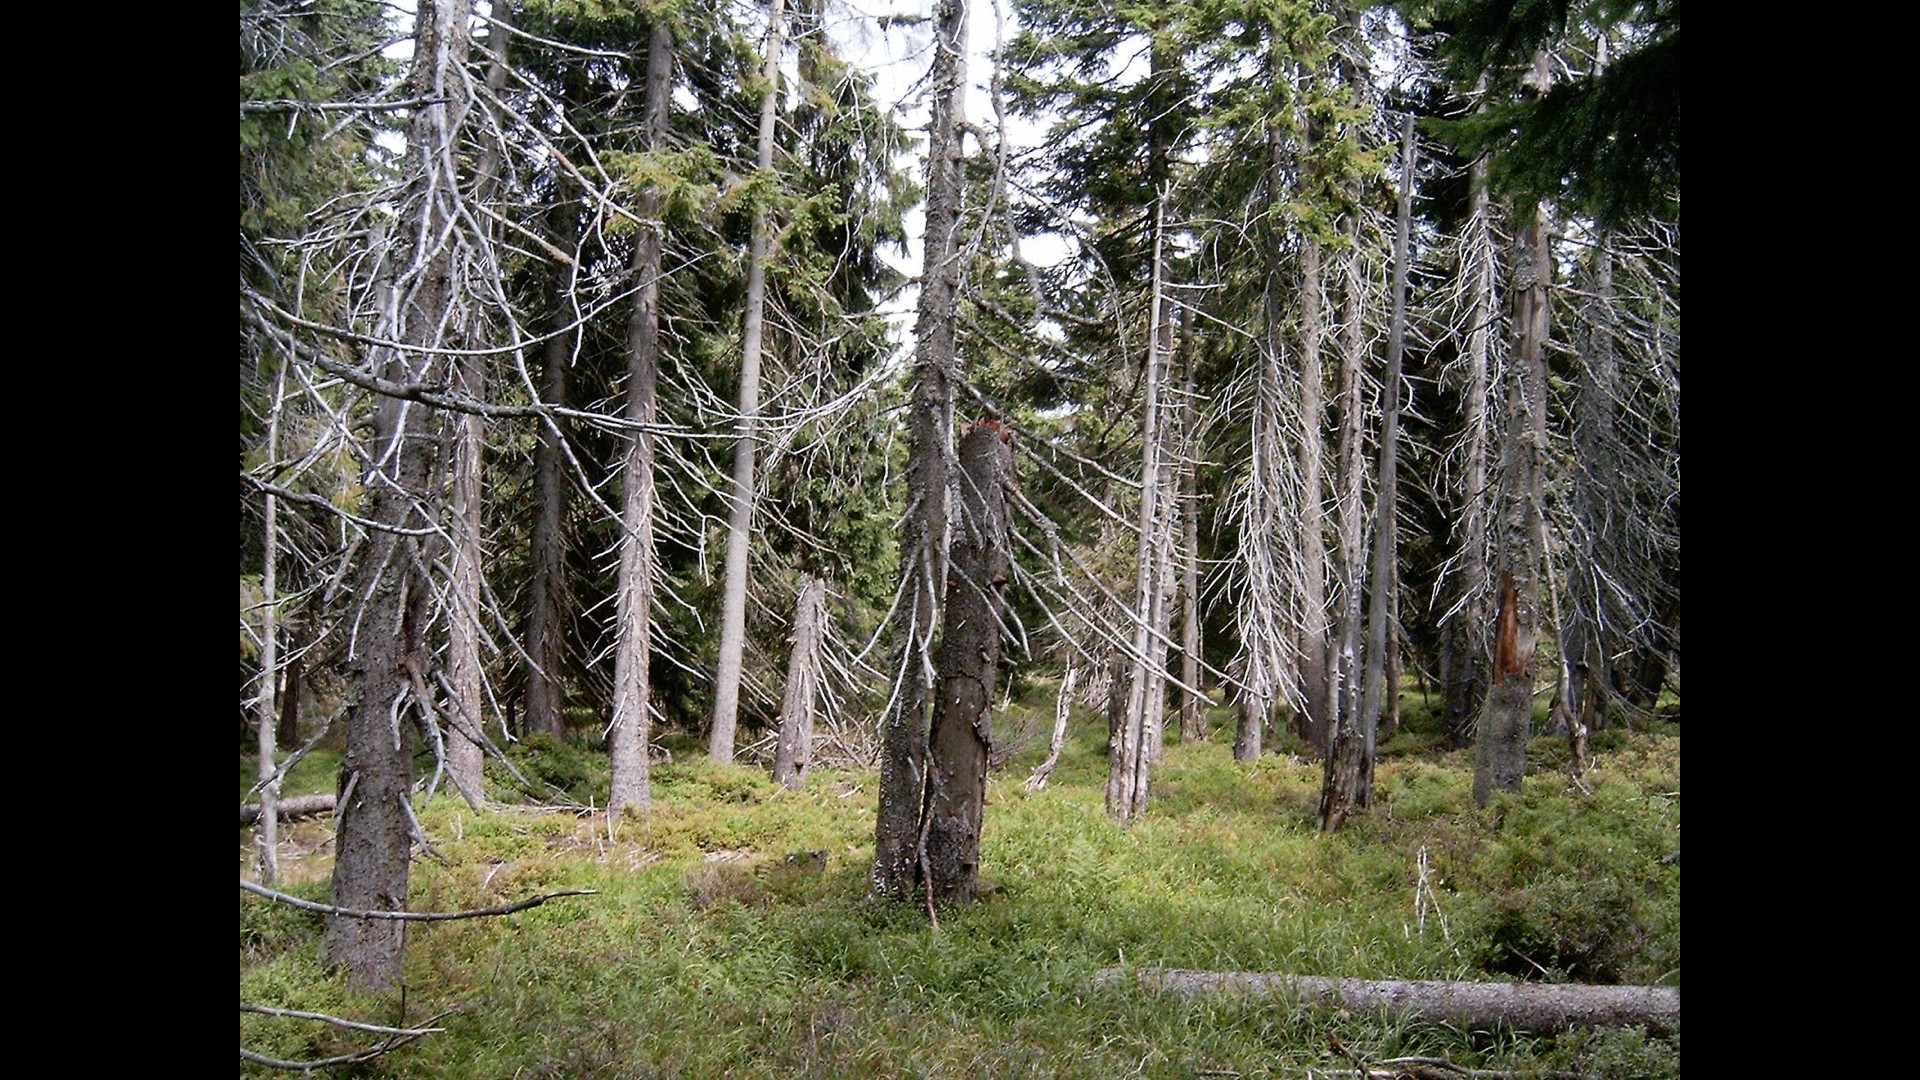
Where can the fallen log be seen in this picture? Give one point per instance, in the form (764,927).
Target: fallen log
(297,807)
(1545,1007)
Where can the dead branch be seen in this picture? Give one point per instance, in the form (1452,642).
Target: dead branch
(412,916)
(298,807)
(351,1025)
(1543,1007)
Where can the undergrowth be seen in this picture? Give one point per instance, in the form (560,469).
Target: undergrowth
(732,934)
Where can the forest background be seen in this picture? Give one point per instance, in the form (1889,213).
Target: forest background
(573,422)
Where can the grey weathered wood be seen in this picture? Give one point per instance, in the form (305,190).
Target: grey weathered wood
(288,809)
(1544,1007)
(967,668)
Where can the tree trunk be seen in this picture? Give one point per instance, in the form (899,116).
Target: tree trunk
(547,588)
(269,838)
(389,655)
(633,650)
(968,666)
(1193,701)
(1541,1007)
(1249,714)
(1129,759)
(923,555)
(1348,780)
(1347,728)
(465,760)
(795,750)
(1508,716)
(1318,684)
(465,678)
(1465,655)
(290,690)
(733,603)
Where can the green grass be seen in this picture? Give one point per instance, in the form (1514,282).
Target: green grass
(709,953)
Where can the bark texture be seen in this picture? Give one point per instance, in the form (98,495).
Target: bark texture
(546,589)
(1508,717)
(733,600)
(968,666)
(1465,654)
(1348,780)
(794,751)
(1542,1007)
(389,654)
(633,652)
(923,554)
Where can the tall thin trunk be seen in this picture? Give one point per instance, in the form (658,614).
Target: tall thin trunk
(1508,717)
(546,590)
(1507,720)
(633,650)
(1350,503)
(1166,478)
(801,699)
(968,669)
(1129,760)
(1317,680)
(268,837)
(1466,652)
(733,604)
(1192,701)
(923,546)
(465,760)
(389,655)
(1348,779)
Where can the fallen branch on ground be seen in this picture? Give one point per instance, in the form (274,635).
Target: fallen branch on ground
(412,916)
(1546,1007)
(297,807)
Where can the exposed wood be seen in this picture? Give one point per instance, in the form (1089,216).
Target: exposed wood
(794,751)
(967,667)
(1543,1007)
(299,807)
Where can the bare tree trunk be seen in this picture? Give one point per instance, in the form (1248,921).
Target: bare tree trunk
(269,838)
(968,666)
(1249,714)
(1166,522)
(1599,511)
(1345,737)
(465,679)
(923,547)
(547,589)
(733,603)
(1062,708)
(1193,702)
(1318,683)
(633,650)
(1348,779)
(1129,760)
(388,653)
(795,750)
(1466,653)
(1508,717)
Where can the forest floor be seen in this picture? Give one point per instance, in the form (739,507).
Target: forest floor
(730,933)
